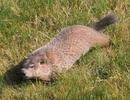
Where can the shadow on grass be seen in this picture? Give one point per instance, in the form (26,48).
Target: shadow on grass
(13,76)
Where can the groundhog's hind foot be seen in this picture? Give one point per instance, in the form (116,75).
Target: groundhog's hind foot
(105,42)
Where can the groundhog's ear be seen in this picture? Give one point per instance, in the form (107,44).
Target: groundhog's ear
(41,61)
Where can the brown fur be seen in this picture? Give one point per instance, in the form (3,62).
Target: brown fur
(62,51)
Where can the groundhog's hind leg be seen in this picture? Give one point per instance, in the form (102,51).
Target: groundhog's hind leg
(104,41)
(101,39)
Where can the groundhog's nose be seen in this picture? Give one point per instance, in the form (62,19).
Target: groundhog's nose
(22,72)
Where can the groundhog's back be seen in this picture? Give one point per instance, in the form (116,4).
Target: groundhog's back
(74,41)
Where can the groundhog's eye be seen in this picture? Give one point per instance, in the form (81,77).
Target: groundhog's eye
(41,61)
(31,65)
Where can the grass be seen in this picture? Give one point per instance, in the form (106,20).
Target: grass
(102,74)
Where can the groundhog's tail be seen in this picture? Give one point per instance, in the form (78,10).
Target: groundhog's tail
(101,24)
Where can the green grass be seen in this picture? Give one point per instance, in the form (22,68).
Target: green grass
(102,74)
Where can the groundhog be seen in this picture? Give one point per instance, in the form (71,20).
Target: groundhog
(65,49)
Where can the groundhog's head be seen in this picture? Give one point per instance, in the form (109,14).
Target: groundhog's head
(39,66)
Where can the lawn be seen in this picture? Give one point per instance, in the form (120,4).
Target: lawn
(102,74)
